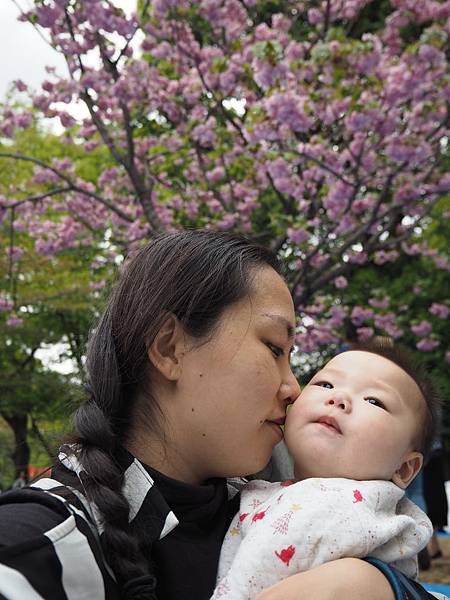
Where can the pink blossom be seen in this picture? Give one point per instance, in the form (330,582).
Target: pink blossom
(5,304)
(442,262)
(91,145)
(289,109)
(315,16)
(360,315)
(24,120)
(298,235)
(427,344)
(216,174)
(379,302)
(447,357)
(67,120)
(340,282)
(318,259)
(362,205)
(15,253)
(381,257)
(357,258)
(422,329)
(97,285)
(204,133)
(443,185)
(439,310)
(306,343)
(14,321)
(227,222)
(337,316)
(346,224)
(364,333)
(20,85)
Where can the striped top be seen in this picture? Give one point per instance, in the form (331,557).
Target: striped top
(62,557)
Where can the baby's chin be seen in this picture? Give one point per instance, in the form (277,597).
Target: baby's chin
(325,470)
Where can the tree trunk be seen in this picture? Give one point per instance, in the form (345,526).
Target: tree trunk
(21,454)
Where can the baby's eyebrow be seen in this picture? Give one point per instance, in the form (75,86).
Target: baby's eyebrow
(290,329)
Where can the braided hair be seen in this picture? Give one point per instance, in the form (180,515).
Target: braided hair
(194,275)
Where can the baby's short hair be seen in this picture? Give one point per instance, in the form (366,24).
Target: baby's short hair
(403,357)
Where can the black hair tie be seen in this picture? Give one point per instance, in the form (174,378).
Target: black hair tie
(140,587)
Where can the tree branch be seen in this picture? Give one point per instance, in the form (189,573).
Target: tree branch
(37,432)
(73,186)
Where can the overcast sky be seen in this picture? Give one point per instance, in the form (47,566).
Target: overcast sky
(24,54)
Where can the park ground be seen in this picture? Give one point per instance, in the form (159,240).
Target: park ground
(440,567)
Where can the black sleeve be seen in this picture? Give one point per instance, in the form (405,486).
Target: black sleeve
(404,588)
(20,522)
(50,550)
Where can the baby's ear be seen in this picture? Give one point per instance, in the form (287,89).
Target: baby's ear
(408,470)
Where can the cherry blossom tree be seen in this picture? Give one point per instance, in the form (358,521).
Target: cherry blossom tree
(305,124)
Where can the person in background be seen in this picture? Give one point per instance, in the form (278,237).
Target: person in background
(434,492)
(415,493)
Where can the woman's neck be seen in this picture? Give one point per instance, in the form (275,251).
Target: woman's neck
(164,457)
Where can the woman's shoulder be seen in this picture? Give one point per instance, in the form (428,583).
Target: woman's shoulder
(43,535)
(28,513)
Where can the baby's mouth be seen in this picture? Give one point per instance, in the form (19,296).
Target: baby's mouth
(330,423)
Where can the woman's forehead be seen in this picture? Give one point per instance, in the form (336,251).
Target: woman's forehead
(271,295)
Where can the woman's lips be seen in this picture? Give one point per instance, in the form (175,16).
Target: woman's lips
(276,426)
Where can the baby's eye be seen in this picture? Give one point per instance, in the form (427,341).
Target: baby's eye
(324,384)
(374,401)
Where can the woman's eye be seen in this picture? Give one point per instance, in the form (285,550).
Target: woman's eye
(374,401)
(276,350)
(324,384)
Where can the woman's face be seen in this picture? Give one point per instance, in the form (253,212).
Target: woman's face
(233,389)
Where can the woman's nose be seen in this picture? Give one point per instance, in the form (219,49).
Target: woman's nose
(340,399)
(289,389)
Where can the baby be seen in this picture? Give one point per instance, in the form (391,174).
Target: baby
(357,433)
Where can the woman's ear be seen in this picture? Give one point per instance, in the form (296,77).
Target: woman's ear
(167,350)
(408,470)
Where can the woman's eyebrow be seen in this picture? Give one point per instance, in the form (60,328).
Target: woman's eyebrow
(290,329)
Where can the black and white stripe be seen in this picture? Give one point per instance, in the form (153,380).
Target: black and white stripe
(67,562)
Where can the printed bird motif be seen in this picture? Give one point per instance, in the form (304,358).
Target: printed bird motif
(358,497)
(286,554)
(259,515)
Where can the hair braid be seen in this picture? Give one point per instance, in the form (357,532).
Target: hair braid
(102,481)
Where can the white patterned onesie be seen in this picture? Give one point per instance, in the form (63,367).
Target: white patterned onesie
(285,528)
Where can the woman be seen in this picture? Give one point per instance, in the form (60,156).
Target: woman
(188,381)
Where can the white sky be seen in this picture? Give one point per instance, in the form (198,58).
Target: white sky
(23,53)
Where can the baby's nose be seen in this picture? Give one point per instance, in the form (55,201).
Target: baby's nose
(340,399)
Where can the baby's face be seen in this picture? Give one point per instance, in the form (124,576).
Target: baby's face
(357,418)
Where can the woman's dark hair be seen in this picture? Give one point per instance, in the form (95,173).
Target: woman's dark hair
(194,275)
(408,362)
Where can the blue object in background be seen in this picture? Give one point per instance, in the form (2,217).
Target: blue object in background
(437,587)
(414,491)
